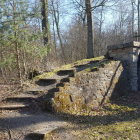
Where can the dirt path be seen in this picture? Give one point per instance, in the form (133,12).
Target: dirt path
(17,124)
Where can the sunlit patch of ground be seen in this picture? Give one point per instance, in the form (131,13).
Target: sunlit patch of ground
(117,120)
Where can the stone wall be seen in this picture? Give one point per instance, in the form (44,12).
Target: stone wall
(91,89)
(129,57)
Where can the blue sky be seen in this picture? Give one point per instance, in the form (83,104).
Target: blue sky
(67,12)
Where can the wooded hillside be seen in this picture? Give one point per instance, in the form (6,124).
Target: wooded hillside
(39,35)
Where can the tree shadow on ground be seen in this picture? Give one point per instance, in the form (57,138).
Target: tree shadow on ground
(88,120)
(84,121)
(80,122)
(103,120)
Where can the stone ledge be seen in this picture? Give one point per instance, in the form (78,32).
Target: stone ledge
(126,45)
(42,134)
(13,106)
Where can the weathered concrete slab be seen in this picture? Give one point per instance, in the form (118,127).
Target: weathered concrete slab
(19,98)
(133,44)
(22,125)
(129,55)
(12,106)
(42,133)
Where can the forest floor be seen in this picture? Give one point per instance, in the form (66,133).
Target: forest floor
(117,120)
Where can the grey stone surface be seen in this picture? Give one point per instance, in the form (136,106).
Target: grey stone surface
(125,45)
(128,54)
(93,88)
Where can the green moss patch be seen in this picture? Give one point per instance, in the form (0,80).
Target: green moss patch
(97,66)
(63,102)
(67,67)
(88,60)
(118,131)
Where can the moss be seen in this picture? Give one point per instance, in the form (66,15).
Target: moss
(49,136)
(113,122)
(97,66)
(45,75)
(66,67)
(124,130)
(63,103)
(87,60)
(115,107)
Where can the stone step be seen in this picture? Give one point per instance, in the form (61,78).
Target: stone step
(64,80)
(94,62)
(48,95)
(46,82)
(41,134)
(19,99)
(52,82)
(81,67)
(69,72)
(60,85)
(58,77)
(53,90)
(13,106)
(38,89)
(89,64)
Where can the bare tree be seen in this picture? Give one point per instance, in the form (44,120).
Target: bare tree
(56,18)
(138,19)
(90,29)
(89,7)
(133,17)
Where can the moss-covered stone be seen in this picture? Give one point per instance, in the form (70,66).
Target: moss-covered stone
(94,81)
(63,103)
(67,67)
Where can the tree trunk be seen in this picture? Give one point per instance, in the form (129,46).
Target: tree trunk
(133,17)
(17,51)
(18,63)
(54,37)
(90,53)
(138,19)
(56,20)
(45,28)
